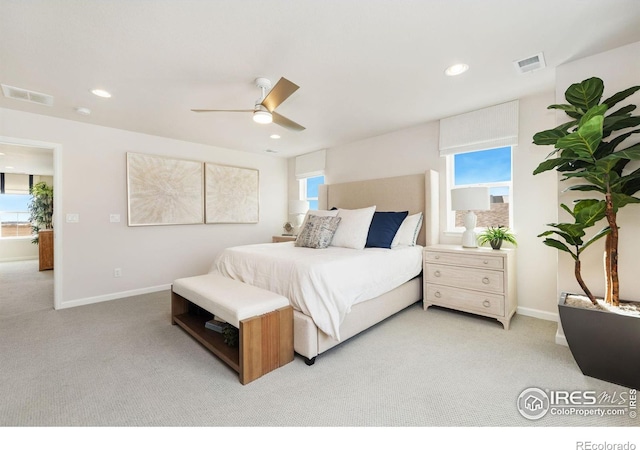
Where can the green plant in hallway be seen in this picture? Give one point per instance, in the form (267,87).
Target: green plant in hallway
(41,209)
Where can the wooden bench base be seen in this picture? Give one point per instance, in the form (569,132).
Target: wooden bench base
(266,341)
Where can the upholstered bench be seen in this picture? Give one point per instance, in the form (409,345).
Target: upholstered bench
(264,320)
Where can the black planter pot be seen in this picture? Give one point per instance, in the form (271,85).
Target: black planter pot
(495,244)
(605,345)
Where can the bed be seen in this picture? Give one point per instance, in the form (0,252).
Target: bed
(338,292)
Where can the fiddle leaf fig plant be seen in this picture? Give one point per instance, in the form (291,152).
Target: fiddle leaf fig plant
(586,152)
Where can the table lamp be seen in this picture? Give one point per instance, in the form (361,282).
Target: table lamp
(470,199)
(298,208)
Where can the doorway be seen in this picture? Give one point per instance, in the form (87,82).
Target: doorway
(33,157)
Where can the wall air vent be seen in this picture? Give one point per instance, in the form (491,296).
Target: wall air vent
(530,64)
(26,95)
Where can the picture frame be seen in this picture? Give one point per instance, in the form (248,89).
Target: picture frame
(231,194)
(164,191)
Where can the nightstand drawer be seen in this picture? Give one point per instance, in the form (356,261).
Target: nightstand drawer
(482,280)
(465,259)
(460,298)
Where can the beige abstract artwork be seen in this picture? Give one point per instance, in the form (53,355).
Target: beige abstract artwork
(164,191)
(231,194)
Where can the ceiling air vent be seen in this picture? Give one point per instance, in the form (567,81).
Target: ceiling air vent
(26,95)
(530,64)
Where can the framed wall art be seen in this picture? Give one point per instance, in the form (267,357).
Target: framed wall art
(164,191)
(232,194)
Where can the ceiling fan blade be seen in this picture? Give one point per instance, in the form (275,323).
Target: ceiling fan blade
(280,92)
(284,122)
(222,110)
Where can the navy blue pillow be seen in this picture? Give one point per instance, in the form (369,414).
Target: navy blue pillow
(384,227)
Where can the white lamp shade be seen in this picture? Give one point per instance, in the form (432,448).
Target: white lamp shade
(470,199)
(298,207)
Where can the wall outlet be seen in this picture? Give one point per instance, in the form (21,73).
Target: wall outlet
(114,218)
(117,272)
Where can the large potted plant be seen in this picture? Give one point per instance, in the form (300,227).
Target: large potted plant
(41,209)
(590,153)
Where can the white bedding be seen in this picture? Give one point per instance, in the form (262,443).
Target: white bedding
(321,283)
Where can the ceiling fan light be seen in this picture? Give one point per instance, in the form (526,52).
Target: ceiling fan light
(262,117)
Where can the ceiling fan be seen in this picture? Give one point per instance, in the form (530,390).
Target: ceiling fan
(264,109)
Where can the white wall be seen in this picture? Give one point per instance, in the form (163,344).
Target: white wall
(92,169)
(415,150)
(619,69)
(17,249)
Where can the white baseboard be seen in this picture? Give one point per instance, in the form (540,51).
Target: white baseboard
(18,258)
(114,296)
(538,314)
(544,315)
(560,338)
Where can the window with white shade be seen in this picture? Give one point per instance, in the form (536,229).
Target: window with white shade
(478,148)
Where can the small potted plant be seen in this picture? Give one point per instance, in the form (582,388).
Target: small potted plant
(495,236)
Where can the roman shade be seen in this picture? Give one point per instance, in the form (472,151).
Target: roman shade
(311,164)
(492,127)
(16,183)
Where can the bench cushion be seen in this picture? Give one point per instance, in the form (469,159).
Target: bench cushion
(228,299)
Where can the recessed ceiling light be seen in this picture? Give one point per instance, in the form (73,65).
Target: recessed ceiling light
(101,93)
(275,136)
(456,69)
(83,111)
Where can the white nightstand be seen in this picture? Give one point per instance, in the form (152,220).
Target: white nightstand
(475,280)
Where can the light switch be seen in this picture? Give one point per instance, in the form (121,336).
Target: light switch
(73,218)
(114,218)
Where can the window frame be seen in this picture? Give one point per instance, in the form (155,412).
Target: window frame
(450,178)
(303,192)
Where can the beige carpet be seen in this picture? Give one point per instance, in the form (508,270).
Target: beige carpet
(24,289)
(122,364)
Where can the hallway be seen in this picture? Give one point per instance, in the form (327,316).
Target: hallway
(23,288)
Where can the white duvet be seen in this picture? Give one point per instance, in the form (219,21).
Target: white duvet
(321,283)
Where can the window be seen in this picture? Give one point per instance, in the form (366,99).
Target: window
(309,190)
(490,168)
(14,215)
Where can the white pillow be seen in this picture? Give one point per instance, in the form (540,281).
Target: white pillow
(354,227)
(408,232)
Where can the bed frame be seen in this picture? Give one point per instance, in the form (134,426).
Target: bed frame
(413,193)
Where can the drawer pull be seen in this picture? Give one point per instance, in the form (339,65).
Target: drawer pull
(485,262)
(486,280)
(436,273)
(437,257)
(486,303)
(437,294)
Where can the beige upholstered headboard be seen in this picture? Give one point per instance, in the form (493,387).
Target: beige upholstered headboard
(413,193)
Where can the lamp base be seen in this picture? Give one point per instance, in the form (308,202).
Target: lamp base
(469,239)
